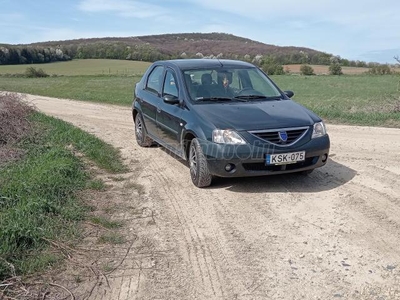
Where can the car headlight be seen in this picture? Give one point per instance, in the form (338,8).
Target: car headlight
(227,136)
(319,130)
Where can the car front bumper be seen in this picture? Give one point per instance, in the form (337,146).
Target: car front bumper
(250,160)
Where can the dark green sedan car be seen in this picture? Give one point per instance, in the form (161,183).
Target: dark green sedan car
(226,118)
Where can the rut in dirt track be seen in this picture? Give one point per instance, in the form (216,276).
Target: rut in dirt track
(334,233)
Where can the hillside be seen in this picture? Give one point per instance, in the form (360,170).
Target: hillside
(192,43)
(154,47)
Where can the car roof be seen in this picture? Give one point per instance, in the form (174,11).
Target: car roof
(205,63)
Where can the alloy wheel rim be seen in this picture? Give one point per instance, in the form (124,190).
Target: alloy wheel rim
(193,160)
(139,128)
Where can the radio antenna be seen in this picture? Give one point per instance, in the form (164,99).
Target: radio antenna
(212,52)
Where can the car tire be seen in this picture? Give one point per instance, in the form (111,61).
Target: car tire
(198,166)
(140,132)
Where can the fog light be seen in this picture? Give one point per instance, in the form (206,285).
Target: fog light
(229,167)
(324,157)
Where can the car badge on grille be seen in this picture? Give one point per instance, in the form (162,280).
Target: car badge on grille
(283,136)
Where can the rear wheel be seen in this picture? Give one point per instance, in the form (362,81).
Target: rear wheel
(199,172)
(141,137)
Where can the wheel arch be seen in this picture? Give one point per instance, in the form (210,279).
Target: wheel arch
(134,113)
(191,131)
(187,138)
(136,108)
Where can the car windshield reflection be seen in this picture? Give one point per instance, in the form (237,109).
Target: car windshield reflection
(229,84)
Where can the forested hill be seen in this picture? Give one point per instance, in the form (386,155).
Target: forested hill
(155,47)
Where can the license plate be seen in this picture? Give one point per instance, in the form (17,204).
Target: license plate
(285,158)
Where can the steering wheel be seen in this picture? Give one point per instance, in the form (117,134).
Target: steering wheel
(248,91)
(243,91)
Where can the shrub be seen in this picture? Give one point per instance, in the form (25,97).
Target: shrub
(270,66)
(31,72)
(335,69)
(380,70)
(306,70)
(273,69)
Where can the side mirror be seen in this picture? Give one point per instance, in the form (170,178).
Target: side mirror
(290,94)
(169,99)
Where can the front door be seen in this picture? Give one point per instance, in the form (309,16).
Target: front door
(152,100)
(169,115)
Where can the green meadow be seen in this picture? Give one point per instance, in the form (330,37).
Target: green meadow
(78,67)
(104,89)
(347,99)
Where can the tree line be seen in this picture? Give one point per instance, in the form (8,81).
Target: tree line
(29,54)
(13,55)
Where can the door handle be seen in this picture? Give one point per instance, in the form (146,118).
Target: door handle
(158,110)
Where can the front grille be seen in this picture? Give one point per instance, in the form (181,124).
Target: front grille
(263,167)
(272,136)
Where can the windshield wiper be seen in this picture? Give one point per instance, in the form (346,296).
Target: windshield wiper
(218,99)
(251,97)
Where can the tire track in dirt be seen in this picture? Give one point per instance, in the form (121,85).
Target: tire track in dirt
(254,245)
(331,234)
(200,259)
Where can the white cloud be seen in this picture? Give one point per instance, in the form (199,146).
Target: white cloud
(124,8)
(284,9)
(60,34)
(43,34)
(367,15)
(11,17)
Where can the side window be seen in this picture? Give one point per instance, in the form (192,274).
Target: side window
(155,79)
(261,85)
(170,84)
(235,81)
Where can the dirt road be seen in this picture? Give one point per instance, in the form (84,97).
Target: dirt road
(332,234)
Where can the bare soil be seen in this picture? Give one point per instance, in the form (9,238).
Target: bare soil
(332,234)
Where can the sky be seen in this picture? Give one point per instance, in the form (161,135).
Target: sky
(366,30)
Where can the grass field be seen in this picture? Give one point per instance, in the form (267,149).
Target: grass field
(361,100)
(84,67)
(104,89)
(348,99)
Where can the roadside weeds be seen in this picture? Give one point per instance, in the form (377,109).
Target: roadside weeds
(59,230)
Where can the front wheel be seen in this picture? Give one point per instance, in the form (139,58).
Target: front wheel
(199,172)
(140,132)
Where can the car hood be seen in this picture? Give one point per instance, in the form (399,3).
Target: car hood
(256,115)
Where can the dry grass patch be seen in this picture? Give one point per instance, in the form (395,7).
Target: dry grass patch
(14,125)
(322,69)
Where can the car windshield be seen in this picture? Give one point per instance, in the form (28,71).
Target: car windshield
(229,84)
